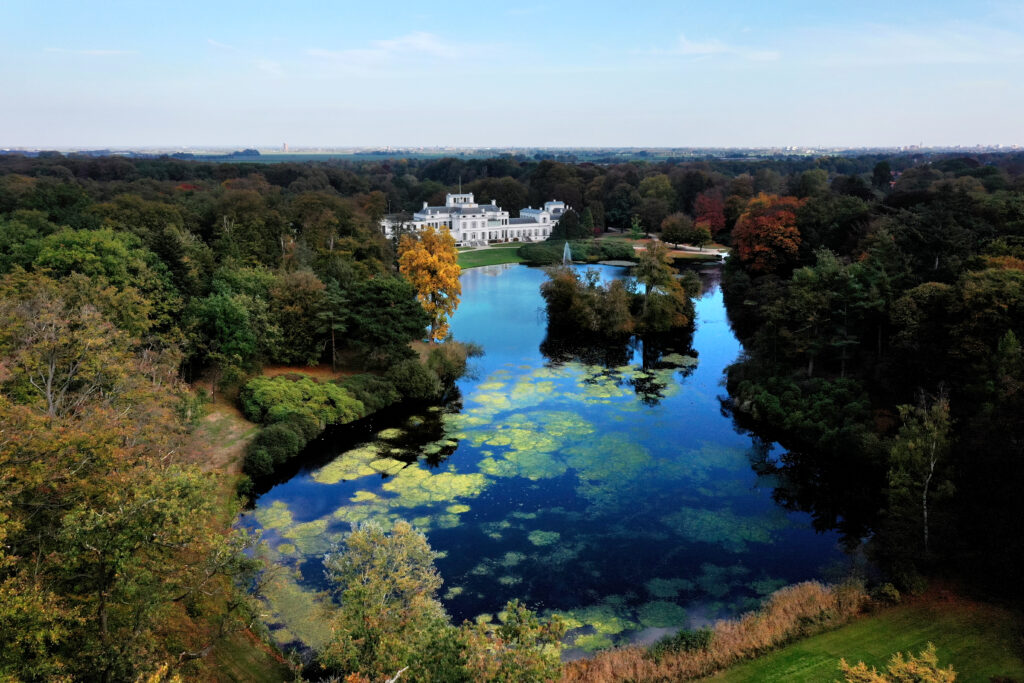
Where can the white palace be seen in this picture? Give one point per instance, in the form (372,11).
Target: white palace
(473,224)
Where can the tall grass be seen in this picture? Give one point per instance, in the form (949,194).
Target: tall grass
(790,613)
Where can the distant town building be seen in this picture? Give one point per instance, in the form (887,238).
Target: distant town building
(473,224)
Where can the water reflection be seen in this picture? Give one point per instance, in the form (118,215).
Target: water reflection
(606,485)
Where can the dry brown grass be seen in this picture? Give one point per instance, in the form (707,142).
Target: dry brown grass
(790,613)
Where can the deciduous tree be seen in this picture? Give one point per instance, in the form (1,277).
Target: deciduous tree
(766,235)
(430,262)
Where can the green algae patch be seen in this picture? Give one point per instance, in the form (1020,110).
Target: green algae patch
(277,516)
(310,537)
(453,592)
(512,558)
(286,548)
(723,527)
(509,580)
(391,434)
(602,618)
(592,642)
(457,509)
(543,538)
(363,496)
(668,588)
(298,611)
(679,361)
(717,581)
(533,465)
(446,521)
(661,614)
(349,465)
(416,486)
(388,466)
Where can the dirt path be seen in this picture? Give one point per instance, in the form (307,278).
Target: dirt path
(218,443)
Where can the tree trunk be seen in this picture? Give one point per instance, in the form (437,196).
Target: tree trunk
(924,497)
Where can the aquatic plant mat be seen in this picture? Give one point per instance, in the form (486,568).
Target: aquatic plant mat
(616,495)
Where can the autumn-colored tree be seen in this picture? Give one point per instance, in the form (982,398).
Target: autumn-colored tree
(710,211)
(766,234)
(923,668)
(107,541)
(430,262)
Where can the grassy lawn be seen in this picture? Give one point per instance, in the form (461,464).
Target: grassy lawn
(489,257)
(979,640)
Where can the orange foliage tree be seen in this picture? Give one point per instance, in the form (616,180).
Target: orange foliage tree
(766,235)
(430,261)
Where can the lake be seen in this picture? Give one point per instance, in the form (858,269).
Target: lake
(615,492)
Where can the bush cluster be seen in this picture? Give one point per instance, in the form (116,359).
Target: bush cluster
(295,409)
(591,251)
(683,641)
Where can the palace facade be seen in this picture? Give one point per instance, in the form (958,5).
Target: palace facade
(473,224)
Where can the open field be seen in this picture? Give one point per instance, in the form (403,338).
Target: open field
(979,640)
(489,257)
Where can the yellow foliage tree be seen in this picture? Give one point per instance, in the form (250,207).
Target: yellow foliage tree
(430,261)
(924,669)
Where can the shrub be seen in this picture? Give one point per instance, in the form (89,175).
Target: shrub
(683,641)
(279,441)
(550,252)
(414,381)
(373,391)
(888,594)
(258,463)
(276,399)
(449,361)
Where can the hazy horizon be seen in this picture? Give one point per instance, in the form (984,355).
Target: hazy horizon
(664,74)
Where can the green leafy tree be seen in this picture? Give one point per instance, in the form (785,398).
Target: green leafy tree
(918,462)
(388,613)
(636,228)
(587,224)
(331,318)
(383,317)
(676,229)
(296,298)
(520,647)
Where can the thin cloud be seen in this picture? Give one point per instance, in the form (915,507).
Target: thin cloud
(383,53)
(881,45)
(221,46)
(270,67)
(92,53)
(418,43)
(704,49)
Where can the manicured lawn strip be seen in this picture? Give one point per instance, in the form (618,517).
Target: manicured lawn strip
(979,640)
(489,257)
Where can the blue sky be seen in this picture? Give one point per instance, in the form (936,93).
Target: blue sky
(98,74)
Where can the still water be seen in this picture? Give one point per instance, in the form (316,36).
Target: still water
(618,495)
